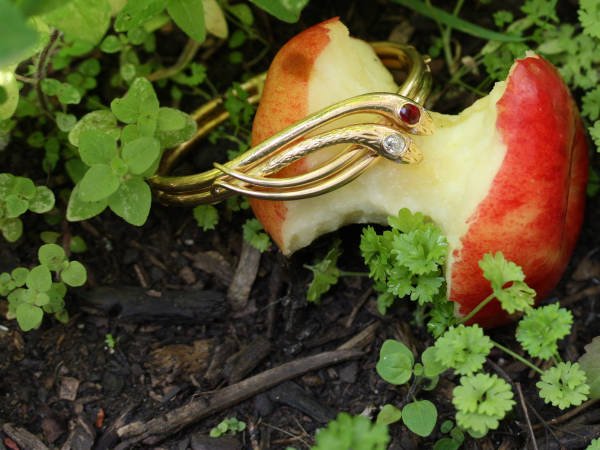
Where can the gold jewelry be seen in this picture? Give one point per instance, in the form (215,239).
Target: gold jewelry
(402,115)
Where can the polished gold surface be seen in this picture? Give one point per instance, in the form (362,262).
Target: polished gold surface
(366,143)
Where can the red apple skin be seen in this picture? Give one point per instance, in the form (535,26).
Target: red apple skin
(534,210)
(286,85)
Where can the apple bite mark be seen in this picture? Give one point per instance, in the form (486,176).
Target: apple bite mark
(507,174)
(534,209)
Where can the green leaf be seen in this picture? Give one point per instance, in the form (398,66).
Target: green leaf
(243,13)
(139,105)
(206,216)
(68,94)
(43,200)
(325,274)
(395,362)
(564,385)
(439,15)
(499,271)
(74,274)
(174,127)
(541,328)
(285,10)
(29,316)
(420,417)
(252,230)
(65,122)
(10,89)
(23,187)
(463,349)
(140,154)
(39,7)
(15,206)
(189,16)
(214,19)
(16,36)
(137,12)
(590,364)
(481,401)
(82,20)
(170,119)
(77,245)
(389,414)
(432,367)
(132,201)
(12,229)
(39,279)
(352,432)
(101,120)
(78,209)
(98,183)
(111,44)
(19,276)
(52,256)
(589,17)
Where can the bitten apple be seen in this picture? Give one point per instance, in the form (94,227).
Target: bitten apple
(507,174)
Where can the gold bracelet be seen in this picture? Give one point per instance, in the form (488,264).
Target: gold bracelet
(401,114)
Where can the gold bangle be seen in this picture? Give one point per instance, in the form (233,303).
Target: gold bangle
(401,114)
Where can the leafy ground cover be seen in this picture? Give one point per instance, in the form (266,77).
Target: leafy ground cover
(178,304)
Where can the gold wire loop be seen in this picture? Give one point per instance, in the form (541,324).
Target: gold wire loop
(251,173)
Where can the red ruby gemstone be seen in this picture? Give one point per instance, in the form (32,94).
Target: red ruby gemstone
(410,113)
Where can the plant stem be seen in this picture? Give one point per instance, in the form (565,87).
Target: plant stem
(478,308)
(186,56)
(344,273)
(446,39)
(41,73)
(518,357)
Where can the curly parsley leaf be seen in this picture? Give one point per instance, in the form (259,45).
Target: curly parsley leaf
(407,259)
(206,216)
(564,385)
(255,236)
(507,280)
(591,104)
(594,445)
(348,431)
(463,348)
(589,17)
(325,274)
(481,401)
(540,329)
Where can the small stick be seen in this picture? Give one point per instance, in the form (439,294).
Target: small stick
(569,415)
(526,413)
(201,407)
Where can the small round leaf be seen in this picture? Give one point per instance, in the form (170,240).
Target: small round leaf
(140,154)
(39,279)
(12,229)
(52,256)
(389,414)
(395,362)
(43,200)
(420,417)
(98,183)
(15,206)
(29,316)
(74,274)
(132,201)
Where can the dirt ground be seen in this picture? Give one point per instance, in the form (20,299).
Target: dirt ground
(173,299)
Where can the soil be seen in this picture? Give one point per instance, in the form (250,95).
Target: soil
(182,333)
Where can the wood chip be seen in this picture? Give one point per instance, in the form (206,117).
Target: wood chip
(23,438)
(243,279)
(244,361)
(68,388)
(213,263)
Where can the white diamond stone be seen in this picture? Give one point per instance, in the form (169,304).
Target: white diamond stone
(394,146)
